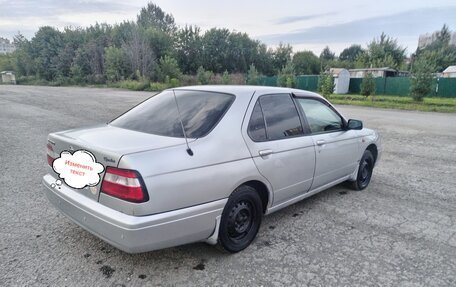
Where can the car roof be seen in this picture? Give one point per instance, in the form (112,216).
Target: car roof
(239,90)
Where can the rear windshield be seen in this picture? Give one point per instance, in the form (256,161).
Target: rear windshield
(200,112)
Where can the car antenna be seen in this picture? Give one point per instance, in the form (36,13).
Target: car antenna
(189,150)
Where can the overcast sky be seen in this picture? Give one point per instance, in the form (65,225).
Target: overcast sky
(307,25)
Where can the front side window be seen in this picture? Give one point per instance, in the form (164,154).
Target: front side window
(320,117)
(200,112)
(281,117)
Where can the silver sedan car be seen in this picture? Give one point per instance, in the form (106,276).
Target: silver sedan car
(204,163)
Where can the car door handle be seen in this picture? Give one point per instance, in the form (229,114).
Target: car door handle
(320,142)
(265,152)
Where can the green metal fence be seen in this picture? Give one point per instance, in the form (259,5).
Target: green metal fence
(445,87)
(400,86)
(394,86)
(309,83)
(267,81)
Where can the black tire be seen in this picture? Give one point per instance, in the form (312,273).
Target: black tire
(241,219)
(365,169)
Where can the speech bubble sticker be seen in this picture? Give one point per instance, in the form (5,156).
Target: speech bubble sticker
(79,169)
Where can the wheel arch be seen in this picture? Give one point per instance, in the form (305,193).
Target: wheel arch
(373,149)
(263,191)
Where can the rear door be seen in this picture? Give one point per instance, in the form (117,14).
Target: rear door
(279,146)
(336,148)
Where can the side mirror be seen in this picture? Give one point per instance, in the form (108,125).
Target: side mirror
(354,125)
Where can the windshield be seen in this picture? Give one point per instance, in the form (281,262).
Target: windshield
(200,112)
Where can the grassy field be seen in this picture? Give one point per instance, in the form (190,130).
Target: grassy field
(447,105)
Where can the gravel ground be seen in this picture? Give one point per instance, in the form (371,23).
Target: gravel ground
(401,231)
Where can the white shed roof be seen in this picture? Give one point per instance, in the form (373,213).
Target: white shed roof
(450,69)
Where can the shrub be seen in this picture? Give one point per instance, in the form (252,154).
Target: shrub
(157,87)
(326,84)
(188,80)
(368,85)
(421,80)
(174,83)
(237,79)
(167,68)
(132,85)
(252,75)
(286,77)
(203,77)
(226,78)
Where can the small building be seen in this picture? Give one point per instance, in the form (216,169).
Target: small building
(449,72)
(8,77)
(6,46)
(341,80)
(377,72)
(427,39)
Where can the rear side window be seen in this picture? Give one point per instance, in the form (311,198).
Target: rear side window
(257,129)
(280,116)
(200,112)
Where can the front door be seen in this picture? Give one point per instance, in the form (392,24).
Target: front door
(336,148)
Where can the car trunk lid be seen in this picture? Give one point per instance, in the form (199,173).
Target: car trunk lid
(108,144)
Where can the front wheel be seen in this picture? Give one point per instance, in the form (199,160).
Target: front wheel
(241,219)
(365,169)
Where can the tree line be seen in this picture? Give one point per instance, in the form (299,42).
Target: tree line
(154,49)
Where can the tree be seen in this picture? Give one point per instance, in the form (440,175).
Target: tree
(287,76)
(241,53)
(421,80)
(44,50)
(326,84)
(153,16)
(114,63)
(264,60)
(19,39)
(122,32)
(189,49)
(442,40)
(327,54)
(80,69)
(6,62)
(368,85)
(216,49)
(140,58)
(72,39)
(439,54)
(351,53)
(65,59)
(24,65)
(281,56)
(383,52)
(444,36)
(160,42)
(306,63)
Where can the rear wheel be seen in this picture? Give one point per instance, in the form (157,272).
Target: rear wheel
(366,166)
(241,219)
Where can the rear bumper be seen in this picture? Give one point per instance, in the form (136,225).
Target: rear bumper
(134,234)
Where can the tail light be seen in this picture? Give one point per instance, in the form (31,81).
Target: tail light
(51,156)
(124,184)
